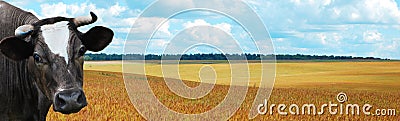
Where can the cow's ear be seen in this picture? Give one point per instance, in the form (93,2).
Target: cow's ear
(16,49)
(97,38)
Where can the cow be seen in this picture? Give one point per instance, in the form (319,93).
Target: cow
(41,62)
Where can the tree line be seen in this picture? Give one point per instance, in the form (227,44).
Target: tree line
(213,56)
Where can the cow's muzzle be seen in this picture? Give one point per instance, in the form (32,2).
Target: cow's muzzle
(69,101)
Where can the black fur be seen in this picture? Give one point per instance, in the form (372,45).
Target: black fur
(16,48)
(97,38)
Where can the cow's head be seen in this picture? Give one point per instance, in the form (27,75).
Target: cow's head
(54,49)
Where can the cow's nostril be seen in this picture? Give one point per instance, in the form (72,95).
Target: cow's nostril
(59,101)
(69,101)
(80,98)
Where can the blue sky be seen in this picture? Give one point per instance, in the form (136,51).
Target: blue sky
(321,27)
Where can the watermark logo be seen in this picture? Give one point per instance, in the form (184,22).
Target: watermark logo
(333,108)
(141,38)
(341,97)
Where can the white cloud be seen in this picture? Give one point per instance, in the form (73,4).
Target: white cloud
(53,10)
(372,36)
(145,26)
(19,3)
(366,11)
(110,17)
(117,9)
(381,10)
(164,30)
(117,41)
(201,22)
(197,22)
(321,26)
(158,43)
(330,39)
(322,38)
(70,10)
(387,49)
(206,35)
(224,26)
(305,12)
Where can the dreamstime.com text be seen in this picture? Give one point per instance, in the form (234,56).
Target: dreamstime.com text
(333,108)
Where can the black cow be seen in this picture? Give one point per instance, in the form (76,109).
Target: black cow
(41,62)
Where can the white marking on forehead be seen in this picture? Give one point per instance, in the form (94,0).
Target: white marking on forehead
(56,37)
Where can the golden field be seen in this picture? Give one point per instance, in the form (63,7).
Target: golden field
(360,75)
(375,83)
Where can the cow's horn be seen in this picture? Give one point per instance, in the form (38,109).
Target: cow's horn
(23,30)
(85,20)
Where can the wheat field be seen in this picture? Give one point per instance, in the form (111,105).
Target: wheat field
(375,83)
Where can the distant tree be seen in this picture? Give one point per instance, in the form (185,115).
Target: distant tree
(87,58)
(220,56)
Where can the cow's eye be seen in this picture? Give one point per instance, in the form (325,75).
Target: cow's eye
(82,51)
(37,58)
